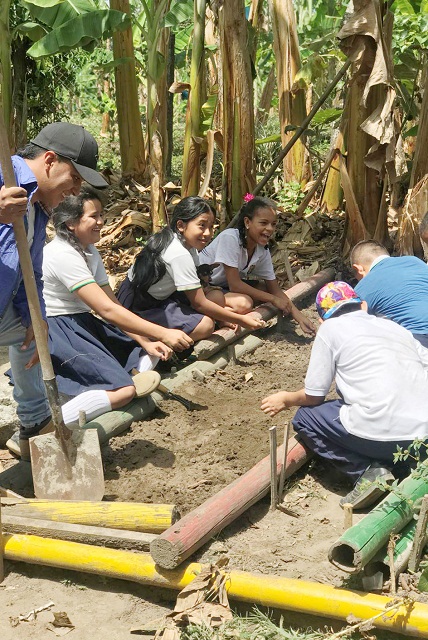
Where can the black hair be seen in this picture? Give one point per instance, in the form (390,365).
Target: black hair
(32,151)
(149,266)
(249,210)
(71,210)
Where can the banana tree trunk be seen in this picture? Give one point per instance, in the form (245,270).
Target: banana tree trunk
(131,139)
(19,93)
(5,65)
(192,139)
(163,49)
(266,98)
(292,107)
(238,104)
(420,158)
(215,72)
(156,82)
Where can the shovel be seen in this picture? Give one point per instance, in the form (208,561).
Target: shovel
(66,465)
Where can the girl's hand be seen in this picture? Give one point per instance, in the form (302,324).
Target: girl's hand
(271,405)
(248,322)
(176,339)
(305,324)
(228,325)
(158,349)
(283,303)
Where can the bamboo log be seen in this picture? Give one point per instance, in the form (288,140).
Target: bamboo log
(204,349)
(133,516)
(420,536)
(409,618)
(178,542)
(402,551)
(359,544)
(102,536)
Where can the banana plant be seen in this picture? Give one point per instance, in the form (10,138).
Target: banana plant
(55,26)
(153,31)
(192,140)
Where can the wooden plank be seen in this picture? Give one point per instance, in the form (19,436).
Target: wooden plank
(132,516)
(103,536)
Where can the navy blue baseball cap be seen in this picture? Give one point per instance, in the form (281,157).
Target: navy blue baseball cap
(76,144)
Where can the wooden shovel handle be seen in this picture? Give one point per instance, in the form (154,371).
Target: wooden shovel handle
(31,292)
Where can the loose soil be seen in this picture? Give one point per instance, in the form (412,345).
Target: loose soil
(183,458)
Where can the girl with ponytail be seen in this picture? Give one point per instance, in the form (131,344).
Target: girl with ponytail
(163,285)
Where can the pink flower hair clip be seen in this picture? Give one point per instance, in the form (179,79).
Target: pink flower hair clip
(248,197)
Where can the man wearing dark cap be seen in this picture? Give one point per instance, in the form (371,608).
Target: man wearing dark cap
(381,375)
(49,168)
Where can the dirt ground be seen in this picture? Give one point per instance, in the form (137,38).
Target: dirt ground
(183,458)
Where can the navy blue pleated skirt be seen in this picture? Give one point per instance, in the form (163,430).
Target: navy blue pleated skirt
(88,353)
(174,312)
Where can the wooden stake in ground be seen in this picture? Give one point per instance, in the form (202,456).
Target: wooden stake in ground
(287,429)
(348,512)
(273,469)
(420,536)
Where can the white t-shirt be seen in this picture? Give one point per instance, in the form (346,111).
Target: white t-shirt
(381,371)
(64,272)
(227,249)
(180,272)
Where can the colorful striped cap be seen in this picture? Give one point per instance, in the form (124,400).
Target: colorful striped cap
(333,296)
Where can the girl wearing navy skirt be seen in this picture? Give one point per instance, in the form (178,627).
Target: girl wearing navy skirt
(163,285)
(92,357)
(244,264)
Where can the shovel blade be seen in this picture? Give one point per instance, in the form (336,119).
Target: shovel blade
(77,475)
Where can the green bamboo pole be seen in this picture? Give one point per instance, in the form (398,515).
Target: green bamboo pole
(402,550)
(359,544)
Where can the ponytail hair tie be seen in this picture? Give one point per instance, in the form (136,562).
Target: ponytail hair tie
(248,197)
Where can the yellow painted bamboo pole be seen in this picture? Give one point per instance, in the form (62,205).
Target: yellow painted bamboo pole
(133,516)
(273,591)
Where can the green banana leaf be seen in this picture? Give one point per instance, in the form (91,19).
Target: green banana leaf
(56,15)
(82,31)
(32,30)
(180,12)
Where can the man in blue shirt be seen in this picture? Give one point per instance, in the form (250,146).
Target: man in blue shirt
(49,168)
(393,287)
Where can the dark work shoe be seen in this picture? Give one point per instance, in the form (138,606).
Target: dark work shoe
(366,491)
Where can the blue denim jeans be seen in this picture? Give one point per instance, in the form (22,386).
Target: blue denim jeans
(29,389)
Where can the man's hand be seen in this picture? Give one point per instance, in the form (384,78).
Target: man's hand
(13,204)
(176,339)
(271,405)
(29,337)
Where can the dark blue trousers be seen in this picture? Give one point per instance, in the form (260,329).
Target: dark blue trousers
(422,338)
(321,431)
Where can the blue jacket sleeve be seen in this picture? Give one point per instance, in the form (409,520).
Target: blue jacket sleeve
(20,301)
